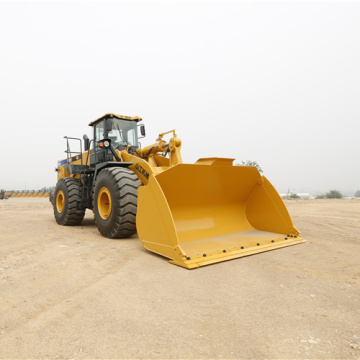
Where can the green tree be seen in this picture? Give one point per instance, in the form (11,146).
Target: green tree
(294,196)
(357,194)
(334,194)
(321,197)
(251,163)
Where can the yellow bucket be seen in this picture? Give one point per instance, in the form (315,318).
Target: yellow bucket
(197,215)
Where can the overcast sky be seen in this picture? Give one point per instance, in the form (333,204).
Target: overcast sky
(272,82)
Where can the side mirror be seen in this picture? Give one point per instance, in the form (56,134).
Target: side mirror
(86,142)
(142,130)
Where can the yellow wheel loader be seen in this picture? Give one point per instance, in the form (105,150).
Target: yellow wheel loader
(4,195)
(193,214)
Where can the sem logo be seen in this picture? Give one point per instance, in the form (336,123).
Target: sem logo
(142,171)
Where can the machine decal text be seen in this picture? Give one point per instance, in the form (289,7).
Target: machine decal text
(142,171)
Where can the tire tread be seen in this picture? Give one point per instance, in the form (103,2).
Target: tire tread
(126,184)
(72,214)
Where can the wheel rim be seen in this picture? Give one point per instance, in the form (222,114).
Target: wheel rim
(104,203)
(60,201)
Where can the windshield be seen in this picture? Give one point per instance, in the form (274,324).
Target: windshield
(123,132)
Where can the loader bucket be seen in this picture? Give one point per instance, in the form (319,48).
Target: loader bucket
(198,214)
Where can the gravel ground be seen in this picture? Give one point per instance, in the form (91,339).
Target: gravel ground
(67,292)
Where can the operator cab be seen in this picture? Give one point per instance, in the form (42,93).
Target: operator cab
(120,130)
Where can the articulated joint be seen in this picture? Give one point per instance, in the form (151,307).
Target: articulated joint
(174,143)
(168,132)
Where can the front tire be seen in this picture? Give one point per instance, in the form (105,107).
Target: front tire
(66,202)
(115,202)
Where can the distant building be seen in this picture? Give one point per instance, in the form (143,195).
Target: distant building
(301,195)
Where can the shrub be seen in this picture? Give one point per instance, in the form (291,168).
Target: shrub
(252,163)
(334,194)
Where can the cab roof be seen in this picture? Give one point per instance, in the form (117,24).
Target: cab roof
(110,115)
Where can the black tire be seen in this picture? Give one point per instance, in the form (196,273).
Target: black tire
(66,202)
(115,202)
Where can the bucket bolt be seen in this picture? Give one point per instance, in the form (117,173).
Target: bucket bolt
(224,251)
(242,247)
(204,255)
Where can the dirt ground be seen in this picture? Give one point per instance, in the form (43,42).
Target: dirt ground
(67,292)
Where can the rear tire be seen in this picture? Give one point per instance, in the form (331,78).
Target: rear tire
(115,202)
(66,202)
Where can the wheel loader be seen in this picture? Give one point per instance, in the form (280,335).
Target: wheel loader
(193,214)
(4,195)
